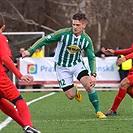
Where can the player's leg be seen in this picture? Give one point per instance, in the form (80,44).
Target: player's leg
(130,91)
(125,83)
(9,110)
(23,110)
(11,93)
(92,95)
(24,113)
(78,96)
(72,92)
(65,79)
(82,75)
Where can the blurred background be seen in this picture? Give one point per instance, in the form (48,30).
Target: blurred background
(110,22)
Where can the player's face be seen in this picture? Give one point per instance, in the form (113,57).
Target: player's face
(78,27)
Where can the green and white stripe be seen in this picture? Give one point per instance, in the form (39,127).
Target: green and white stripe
(69,47)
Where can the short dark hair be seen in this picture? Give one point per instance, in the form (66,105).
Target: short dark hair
(80,16)
(2,21)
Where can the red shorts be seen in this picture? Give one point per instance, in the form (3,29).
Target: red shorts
(7,89)
(130,76)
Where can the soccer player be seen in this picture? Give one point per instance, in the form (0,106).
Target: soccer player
(9,91)
(126,85)
(69,62)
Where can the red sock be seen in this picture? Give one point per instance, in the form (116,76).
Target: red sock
(24,112)
(9,110)
(119,97)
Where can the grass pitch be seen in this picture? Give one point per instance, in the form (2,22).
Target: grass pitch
(57,114)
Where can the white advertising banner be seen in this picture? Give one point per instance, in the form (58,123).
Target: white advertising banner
(42,69)
(107,69)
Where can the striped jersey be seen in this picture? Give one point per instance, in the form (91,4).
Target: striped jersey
(69,47)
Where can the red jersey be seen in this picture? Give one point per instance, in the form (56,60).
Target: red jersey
(5,58)
(127,52)
(7,89)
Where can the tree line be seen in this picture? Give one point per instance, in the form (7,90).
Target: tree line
(110,22)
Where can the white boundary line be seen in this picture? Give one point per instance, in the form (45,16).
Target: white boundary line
(86,120)
(9,119)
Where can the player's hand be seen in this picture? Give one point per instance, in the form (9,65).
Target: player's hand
(25,54)
(120,61)
(27,78)
(109,52)
(93,81)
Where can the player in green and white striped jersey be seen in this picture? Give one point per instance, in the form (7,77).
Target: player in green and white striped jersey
(69,61)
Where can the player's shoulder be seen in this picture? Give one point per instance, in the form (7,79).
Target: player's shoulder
(3,37)
(86,36)
(64,31)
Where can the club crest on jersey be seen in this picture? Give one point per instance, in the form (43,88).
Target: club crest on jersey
(72,49)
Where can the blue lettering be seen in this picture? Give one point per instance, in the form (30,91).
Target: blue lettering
(42,68)
(105,68)
(47,69)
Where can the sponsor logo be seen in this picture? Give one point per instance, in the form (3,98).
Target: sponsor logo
(73,49)
(32,68)
(105,68)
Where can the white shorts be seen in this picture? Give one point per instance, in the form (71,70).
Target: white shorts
(65,75)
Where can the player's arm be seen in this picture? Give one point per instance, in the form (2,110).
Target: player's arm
(123,59)
(91,59)
(123,51)
(10,65)
(49,39)
(92,63)
(118,52)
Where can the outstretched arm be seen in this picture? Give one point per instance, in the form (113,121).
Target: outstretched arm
(118,52)
(49,39)
(123,51)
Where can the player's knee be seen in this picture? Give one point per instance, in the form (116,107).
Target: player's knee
(125,83)
(88,87)
(16,99)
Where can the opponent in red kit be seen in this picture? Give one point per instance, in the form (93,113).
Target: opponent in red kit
(126,85)
(8,90)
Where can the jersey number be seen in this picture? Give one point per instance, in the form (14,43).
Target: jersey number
(62,82)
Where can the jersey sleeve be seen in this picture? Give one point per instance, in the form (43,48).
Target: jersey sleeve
(124,51)
(49,39)
(89,50)
(129,56)
(10,65)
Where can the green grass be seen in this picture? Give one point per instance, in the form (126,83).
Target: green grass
(57,114)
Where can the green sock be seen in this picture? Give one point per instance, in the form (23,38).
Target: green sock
(75,90)
(93,97)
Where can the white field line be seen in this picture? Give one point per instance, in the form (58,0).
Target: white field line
(86,120)
(9,119)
